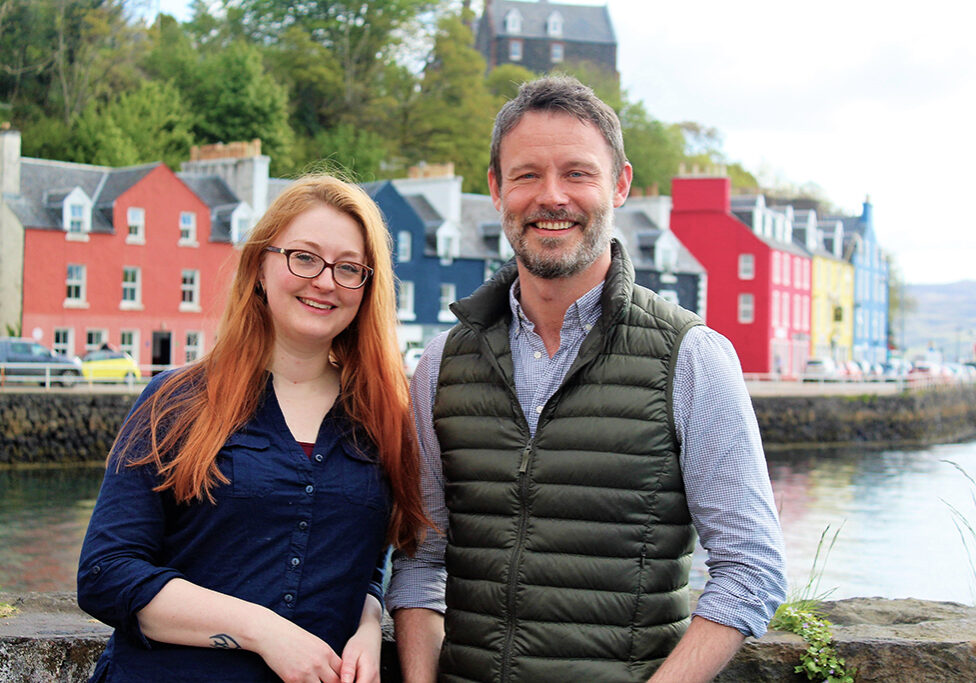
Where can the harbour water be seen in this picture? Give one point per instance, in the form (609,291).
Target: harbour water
(897,534)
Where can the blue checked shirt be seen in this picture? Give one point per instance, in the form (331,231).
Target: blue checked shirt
(722,461)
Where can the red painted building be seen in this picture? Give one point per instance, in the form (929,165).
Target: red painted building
(121,256)
(758,292)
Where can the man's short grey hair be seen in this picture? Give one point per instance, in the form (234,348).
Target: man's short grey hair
(561,94)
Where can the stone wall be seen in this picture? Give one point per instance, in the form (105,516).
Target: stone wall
(49,639)
(60,426)
(936,415)
(77,426)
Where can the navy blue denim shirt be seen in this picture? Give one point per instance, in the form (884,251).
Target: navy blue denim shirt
(302,536)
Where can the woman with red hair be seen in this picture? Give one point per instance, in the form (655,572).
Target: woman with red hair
(249,500)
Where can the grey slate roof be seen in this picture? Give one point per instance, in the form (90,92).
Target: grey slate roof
(218,196)
(585,23)
(44,184)
(430,218)
(481,227)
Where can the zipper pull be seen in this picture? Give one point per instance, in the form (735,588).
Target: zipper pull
(523,468)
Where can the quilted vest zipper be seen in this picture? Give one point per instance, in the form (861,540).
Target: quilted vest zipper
(516,563)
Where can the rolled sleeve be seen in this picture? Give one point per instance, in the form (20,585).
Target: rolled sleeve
(419,581)
(727,486)
(117,570)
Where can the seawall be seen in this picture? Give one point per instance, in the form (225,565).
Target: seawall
(69,426)
(48,639)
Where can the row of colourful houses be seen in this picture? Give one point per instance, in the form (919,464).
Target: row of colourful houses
(140,257)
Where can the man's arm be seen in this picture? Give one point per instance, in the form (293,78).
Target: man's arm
(730,500)
(419,633)
(416,594)
(701,653)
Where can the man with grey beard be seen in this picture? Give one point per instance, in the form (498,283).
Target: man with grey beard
(576,432)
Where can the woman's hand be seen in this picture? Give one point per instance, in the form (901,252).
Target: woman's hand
(361,656)
(297,656)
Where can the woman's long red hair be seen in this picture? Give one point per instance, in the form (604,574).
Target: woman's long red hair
(195,410)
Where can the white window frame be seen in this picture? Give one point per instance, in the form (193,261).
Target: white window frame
(76,285)
(95,338)
(76,218)
(784,311)
(775,309)
(190,290)
(557,53)
(130,347)
(192,348)
(806,313)
(131,288)
(515,51)
(404,246)
(775,267)
(747,266)
(786,270)
(448,295)
(747,309)
(554,25)
(798,273)
(188,229)
(135,217)
(65,347)
(797,312)
(513,21)
(405,301)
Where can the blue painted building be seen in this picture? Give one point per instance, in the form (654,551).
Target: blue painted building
(861,248)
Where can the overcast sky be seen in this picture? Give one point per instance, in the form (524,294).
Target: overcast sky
(860,97)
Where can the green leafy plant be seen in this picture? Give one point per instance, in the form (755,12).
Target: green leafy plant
(801,615)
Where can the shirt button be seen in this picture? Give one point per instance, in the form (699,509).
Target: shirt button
(295,562)
(538,410)
(318,457)
(537,354)
(587,327)
(289,598)
(96,570)
(303,525)
(310,489)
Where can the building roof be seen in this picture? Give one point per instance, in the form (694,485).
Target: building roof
(584,23)
(44,184)
(481,227)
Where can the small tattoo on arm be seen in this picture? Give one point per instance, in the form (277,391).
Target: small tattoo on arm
(224,642)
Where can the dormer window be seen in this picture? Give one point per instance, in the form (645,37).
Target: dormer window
(556,54)
(513,21)
(554,25)
(76,215)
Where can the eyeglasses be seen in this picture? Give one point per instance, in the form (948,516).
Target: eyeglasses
(305,264)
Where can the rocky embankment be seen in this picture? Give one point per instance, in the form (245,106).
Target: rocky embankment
(49,639)
(75,426)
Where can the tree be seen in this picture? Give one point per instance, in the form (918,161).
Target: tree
(149,124)
(654,149)
(234,98)
(505,80)
(455,113)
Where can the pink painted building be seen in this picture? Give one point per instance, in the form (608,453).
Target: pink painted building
(126,257)
(758,292)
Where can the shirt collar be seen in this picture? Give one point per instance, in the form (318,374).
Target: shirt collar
(581,315)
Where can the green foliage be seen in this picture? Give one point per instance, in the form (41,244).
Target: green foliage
(453,118)
(356,151)
(505,79)
(801,615)
(653,148)
(234,98)
(820,661)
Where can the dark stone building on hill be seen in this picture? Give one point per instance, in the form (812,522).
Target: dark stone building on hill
(542,35)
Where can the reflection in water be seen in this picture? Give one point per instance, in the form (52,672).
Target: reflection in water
(897,536)
(43,516)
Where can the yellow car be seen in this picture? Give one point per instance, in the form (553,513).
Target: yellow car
(107,365)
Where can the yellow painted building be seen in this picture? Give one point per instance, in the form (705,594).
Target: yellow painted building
(832,308)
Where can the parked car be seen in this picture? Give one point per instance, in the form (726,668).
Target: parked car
(925,370)
(820,369)
(851,371)
(109,365)
(20,358)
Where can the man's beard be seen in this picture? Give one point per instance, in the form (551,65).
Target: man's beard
(550,265)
